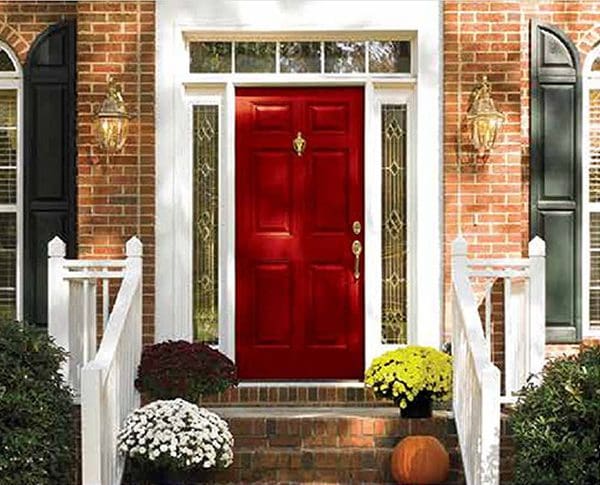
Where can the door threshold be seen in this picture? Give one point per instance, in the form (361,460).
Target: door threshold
(304,383)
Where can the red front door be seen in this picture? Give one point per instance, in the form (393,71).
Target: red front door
(299,304)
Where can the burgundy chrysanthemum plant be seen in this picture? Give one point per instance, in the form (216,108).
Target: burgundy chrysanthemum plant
(187,370)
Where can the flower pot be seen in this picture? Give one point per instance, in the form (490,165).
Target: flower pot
(420,407)
(420,460)
(169,477)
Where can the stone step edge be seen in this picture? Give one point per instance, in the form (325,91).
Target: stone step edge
(275,394)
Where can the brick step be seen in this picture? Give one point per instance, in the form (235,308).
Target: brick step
(353,395)
(325,444)
(323,465)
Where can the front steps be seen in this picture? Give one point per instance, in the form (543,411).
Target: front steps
(319,433)
(325,444)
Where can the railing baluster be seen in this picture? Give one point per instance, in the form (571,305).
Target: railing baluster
(488,317)
(105,300)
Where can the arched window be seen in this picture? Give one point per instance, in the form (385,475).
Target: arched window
(591,195)
(11,234)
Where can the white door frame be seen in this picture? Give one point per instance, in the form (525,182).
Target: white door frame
(177,90)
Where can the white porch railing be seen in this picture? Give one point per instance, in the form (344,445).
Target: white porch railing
(476,393)
(101,376)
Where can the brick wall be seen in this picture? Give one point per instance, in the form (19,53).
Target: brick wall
(116,195)
(488,200)
(21,22)
(483,198)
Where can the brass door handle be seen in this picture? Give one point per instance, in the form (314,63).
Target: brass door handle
(356,250)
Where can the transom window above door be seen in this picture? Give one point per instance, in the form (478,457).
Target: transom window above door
(302,57)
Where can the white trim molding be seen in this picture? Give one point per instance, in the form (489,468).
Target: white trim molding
(180,20)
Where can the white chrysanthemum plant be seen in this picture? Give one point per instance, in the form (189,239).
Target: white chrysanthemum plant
(176,435)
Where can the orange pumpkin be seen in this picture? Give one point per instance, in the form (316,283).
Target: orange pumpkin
(420,460)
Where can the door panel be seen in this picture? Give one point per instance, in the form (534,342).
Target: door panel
(273,308)
(329,191)
(299,309)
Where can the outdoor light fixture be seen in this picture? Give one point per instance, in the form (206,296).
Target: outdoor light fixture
(484,118)
(112,120)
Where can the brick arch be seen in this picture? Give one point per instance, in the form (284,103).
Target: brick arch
(589,41)
(15,40)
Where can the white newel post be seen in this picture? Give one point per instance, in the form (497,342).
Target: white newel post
(135,250)
(537,304)
(459,255)
(58,303)
(92,410)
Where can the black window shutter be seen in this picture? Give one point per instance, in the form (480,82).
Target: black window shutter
(555,174)
(49,159)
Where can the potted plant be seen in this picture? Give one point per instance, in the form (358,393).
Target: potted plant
(413,377)
(187,370)
(172,442)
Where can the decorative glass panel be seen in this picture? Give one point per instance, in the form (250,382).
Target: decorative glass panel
(393,134)
(6,64)
(206,177)
(255,56)
(596,64)
(389,56)
(8,265)
(210,57)
(344,57)
(8,147)
(300,57)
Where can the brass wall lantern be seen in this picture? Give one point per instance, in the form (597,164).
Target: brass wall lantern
(112,120)
(485,120)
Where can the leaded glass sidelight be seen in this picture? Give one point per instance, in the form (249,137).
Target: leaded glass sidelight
(394,307)
(206,178)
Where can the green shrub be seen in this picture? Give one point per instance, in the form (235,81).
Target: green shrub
(556,425)
(36,428)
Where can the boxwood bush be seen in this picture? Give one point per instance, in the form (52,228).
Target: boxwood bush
(556,425)
(36,427)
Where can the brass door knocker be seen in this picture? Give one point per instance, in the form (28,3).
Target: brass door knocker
(299,144)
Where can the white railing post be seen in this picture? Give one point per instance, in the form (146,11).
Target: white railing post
(460,261)
(134,250)
(537,304)
(489,464)
(58,303)
(92,428)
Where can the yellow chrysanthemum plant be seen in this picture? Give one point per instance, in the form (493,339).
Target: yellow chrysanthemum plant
(412,376)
